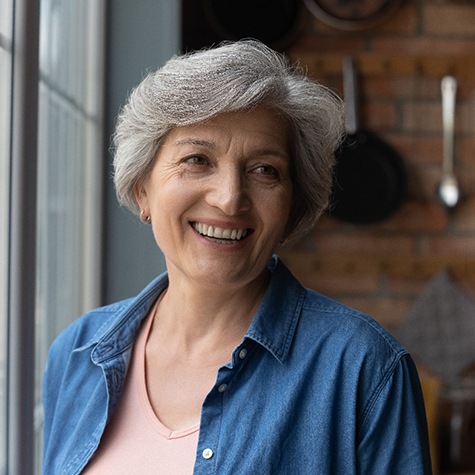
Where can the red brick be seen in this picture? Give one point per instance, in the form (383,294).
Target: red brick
(414,189)
(314,44)
(426,116)
(345,277)
(422,216)
(424,182)
(378,115)
(403,21)
(466,181)
(465,116)
(464,218)
(420,150)
(465,85)
(465,152)
(450,245)
(424,46)
(390,312)
(380,269)
(453,20)
(363,240)
(395,88)
(422,117)
(410,287)
(335,284)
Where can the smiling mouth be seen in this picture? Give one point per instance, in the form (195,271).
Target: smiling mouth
(220,234)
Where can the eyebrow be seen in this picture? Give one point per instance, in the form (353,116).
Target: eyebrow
(211,145)
(194,141)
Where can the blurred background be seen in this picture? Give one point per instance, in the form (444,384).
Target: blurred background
(400,254)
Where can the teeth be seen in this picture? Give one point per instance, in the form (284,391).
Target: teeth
(220,233)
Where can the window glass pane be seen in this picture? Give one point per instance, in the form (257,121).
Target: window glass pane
(69,169)
(6,20)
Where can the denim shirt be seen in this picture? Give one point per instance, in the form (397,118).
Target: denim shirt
(313,388)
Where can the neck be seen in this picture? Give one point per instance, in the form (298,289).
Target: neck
(191,313)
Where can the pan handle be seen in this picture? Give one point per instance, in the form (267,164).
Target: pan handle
(449,89)
(350,95)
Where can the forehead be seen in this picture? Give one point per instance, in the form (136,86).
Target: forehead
(255,125)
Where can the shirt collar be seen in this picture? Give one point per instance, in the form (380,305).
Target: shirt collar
(276,319)
(273,326)
(121,332)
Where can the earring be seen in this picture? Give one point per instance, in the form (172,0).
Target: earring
(145,218)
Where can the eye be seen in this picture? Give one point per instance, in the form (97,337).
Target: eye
(195,165)
(196,160)
(266,171)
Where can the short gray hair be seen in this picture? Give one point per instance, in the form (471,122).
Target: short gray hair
(234,76)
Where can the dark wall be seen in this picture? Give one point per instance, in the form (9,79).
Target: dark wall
(141,36)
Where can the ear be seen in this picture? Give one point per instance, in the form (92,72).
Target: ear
(141,196)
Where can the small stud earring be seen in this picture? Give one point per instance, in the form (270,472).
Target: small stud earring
(145,218)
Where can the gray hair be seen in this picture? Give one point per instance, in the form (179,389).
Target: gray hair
(234,76)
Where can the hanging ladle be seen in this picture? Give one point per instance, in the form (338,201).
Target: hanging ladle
(448,190)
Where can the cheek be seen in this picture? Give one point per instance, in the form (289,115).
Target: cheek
(172,201)
(277,210)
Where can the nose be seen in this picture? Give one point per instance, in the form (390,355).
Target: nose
(229,192)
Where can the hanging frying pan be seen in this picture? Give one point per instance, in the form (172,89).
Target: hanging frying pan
(370,178)
(274,23)
(352,15)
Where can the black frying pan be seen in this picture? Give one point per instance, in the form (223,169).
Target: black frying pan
(275,23)
(370,177)
(352,15)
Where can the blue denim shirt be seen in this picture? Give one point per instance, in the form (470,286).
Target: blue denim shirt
(313,388)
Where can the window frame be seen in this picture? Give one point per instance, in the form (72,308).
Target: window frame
(24,362)
(22,247)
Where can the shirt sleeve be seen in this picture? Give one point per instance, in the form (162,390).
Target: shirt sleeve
(393,436)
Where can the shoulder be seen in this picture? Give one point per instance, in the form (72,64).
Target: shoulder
(93,326)
(344,321)
(357,350)
(323,324)
(347,327)
(103,333)
(354,348)
(89,327)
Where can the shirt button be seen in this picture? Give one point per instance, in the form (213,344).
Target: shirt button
(207,453)
(222,388)
(243,353)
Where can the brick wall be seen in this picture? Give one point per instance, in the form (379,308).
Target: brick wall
(381,268)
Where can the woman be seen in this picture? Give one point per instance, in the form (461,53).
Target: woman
(226,364)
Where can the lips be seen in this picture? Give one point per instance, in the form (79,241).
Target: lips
(216,232)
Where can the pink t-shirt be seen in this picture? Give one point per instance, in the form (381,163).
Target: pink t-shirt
(135,441)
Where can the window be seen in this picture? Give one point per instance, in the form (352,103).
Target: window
(59,88)
(45,283)
(6,27)
(70,156)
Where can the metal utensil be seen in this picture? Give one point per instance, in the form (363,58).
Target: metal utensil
(448,190)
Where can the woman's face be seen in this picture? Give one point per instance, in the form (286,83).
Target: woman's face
(219,195)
